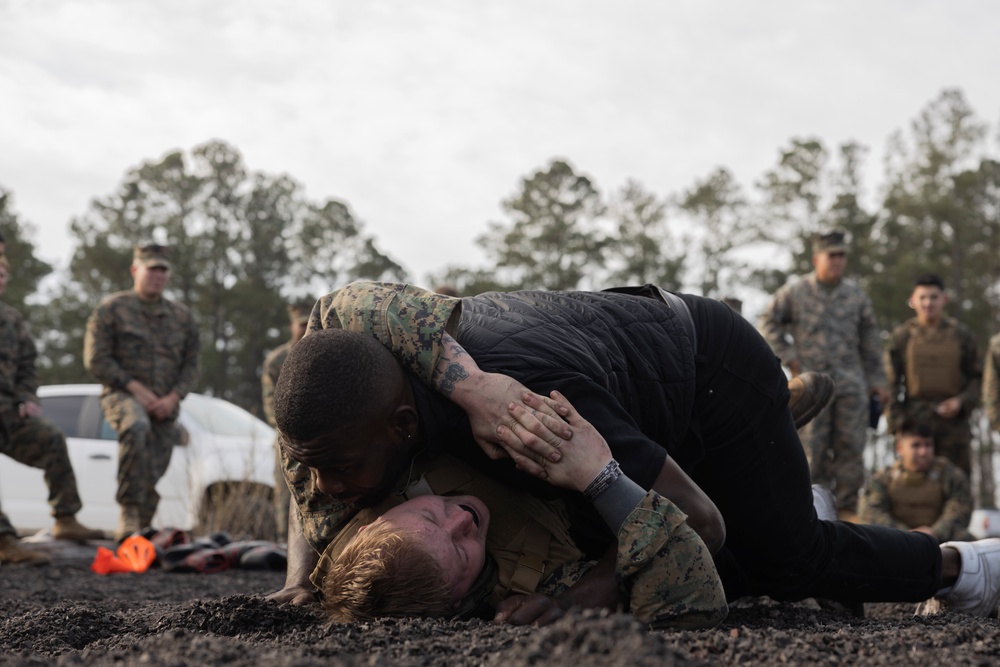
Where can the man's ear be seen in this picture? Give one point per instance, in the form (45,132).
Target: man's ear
(406,420)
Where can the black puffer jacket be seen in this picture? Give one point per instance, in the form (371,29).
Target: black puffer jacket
(623,361)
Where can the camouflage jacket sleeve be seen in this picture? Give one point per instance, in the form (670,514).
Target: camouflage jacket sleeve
(775,324)
(870,344)
(190,369)
(972,370)
(18,375)
(957,511)
(98,348)
(269,378)
(666,569)
(874,507)
(991,382)
(407,320)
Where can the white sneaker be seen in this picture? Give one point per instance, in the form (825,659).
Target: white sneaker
(825,504)
(977,590)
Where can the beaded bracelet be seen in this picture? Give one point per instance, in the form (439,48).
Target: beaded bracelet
(608,476)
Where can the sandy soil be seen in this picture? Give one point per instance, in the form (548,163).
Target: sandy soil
(63,614)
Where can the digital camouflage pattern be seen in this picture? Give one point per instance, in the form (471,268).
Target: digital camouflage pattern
(991,382)
(952,437)
(662,566)
(144,450)
(18,377)
(409,321)
(952,491)
(156,344)
(268,379)
(34,441)
(662,563)
(831,330)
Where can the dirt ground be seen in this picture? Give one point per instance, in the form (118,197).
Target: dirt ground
(63,614)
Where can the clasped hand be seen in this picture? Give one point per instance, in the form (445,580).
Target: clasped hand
(531,432)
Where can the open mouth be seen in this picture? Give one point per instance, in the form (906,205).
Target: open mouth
(475,515)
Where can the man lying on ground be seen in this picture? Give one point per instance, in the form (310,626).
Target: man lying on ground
(455,555)
(688,395)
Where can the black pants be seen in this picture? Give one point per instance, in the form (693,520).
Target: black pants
(755,470)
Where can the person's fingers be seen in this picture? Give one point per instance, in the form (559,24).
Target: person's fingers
(543,404)
(536,609)
(524,459)
(551,615)
(507,607)
(540,435)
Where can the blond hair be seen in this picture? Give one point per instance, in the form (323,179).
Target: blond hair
(384,571)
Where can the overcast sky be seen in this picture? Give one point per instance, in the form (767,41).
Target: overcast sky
(423,115)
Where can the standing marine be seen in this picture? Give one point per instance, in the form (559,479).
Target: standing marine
(932,363)
(824,322)
(144,349)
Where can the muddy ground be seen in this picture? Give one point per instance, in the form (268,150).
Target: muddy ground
(63,614)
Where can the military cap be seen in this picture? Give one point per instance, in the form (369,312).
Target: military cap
(151,256)
(829,242)
(299,312)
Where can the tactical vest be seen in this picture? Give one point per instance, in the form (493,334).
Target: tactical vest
(916,499)
(933,363)
(528,538)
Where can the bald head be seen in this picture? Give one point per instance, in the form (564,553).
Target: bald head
(333,380)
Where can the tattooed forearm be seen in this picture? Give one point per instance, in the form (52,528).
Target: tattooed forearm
(452,375)
(453,350)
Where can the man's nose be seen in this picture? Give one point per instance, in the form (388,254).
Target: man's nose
(329,484)
(459,522)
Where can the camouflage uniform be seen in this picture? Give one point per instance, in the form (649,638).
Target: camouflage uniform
(662,564)
(33,441)
(157,344)
(991,383)
(943,490)
(830,330)
(952,437)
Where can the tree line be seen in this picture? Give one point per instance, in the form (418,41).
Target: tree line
(247,242)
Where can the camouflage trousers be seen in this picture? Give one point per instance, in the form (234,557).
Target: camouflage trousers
(37,442)
(282,496)
(144,449)
(662,566)
(952,437)
(834,443)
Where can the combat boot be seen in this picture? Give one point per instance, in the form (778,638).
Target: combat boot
(68,528)
(129,521)
(810,392)
(12,553)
